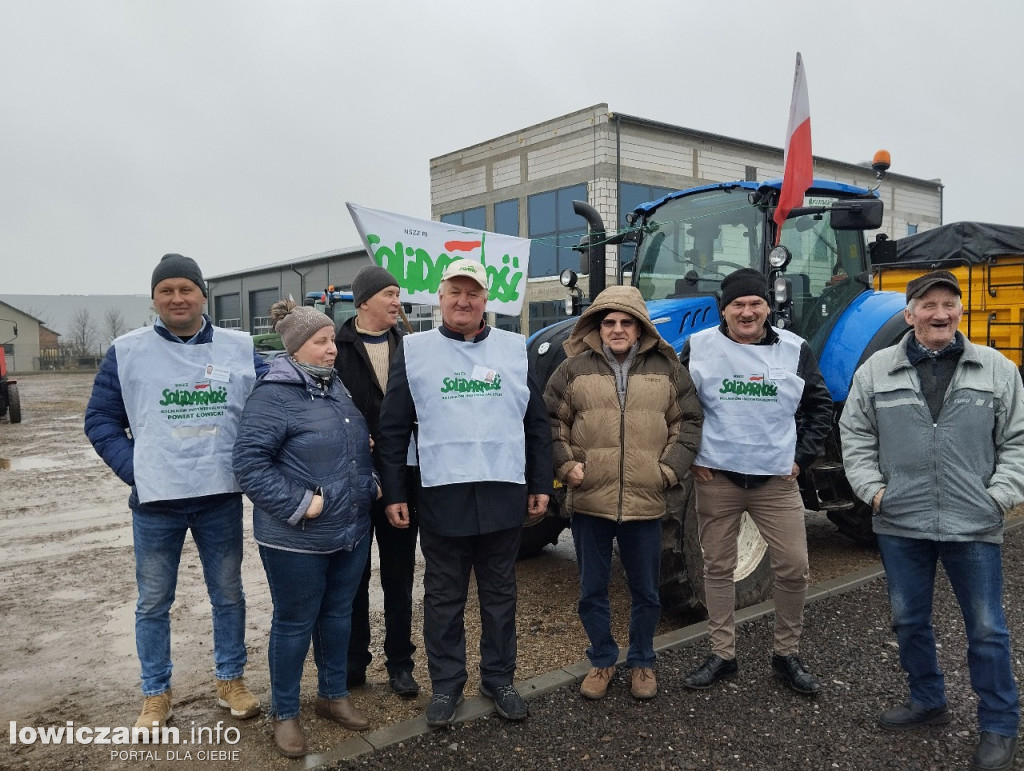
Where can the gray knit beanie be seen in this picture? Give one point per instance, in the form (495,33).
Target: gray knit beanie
(177,266)
(369,281)
(297,323)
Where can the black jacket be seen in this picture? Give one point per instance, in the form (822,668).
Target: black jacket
(356,371)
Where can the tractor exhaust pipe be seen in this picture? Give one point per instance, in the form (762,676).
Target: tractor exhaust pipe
(595,256)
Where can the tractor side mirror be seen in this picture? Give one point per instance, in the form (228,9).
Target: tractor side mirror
(857,214)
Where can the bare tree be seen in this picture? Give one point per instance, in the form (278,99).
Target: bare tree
(82,336)
(114,324)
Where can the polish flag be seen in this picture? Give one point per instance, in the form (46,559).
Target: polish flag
(799,163)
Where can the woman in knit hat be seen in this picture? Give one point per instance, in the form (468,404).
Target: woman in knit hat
(303,457)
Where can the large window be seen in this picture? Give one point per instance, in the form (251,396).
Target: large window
(555,229)
(545,313)
(506,217)
(475,219)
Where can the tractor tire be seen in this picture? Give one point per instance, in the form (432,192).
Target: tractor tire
(854,523)
(681,555)
(14,404)
(540,533)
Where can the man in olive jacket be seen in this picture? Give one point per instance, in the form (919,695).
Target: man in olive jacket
(626,424)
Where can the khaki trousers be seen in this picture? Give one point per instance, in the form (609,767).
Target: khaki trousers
(777,509)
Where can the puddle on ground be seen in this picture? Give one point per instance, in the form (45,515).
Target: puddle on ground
(28,464)
(120,626)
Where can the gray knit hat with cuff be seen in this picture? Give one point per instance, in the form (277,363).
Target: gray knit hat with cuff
(369,281)
(177,266)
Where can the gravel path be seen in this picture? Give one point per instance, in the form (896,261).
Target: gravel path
(752,722)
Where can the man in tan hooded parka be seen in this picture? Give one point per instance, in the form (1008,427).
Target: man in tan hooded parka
(626,424)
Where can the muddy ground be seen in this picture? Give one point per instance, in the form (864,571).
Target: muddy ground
(67,596)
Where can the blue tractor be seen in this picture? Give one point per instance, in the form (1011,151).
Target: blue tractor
(821,274)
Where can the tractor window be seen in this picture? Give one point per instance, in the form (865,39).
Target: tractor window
(691,243)
(824,260)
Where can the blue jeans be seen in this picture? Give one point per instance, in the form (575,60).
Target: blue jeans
(640,551)
(312,595)
(975,572)
(158,531)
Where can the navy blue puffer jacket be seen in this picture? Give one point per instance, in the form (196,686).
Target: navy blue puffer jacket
(294,437)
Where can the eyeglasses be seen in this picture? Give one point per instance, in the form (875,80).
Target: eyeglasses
(612,323)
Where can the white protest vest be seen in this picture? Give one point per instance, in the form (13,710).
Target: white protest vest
(470,402)
(183,404)
(750,395)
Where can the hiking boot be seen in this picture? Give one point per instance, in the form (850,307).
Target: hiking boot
(791,671)
(233,695)
(441,711)
(595,684)
(289,738)
(713,669)
(156,710)
(341,711)
(643,684)
(995,751)
(507,701)
(910,715)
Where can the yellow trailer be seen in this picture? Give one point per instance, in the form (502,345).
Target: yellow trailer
(988,261)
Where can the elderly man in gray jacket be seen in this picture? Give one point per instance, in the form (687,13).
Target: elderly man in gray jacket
(933,438)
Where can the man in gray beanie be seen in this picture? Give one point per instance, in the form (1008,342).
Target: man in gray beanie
(177,266)
(166,401)
(767,412)
(366,345)
(369,281)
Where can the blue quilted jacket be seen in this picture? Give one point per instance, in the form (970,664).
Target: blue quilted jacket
(293,438)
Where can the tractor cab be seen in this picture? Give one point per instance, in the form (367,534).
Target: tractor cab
(689,241)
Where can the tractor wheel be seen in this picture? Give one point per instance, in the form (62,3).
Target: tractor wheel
(14,403)
(855,523)
(682,561)
(540,533)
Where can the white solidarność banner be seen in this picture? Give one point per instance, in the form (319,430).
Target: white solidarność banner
(416,252)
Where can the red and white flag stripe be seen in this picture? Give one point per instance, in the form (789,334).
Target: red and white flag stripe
(799,171)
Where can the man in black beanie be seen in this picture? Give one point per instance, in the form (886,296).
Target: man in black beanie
(163,415)
(767,412)
(366,345)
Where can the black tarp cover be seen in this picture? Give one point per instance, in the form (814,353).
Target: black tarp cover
(974,242)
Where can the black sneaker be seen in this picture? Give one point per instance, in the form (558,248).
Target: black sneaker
(405,685)
(910,715)
(441,711)
(507,701)
(794,675)
(713,669)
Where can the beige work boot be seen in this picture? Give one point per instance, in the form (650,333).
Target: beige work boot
(643,684)
(595,684)
(233,695)
(155,709)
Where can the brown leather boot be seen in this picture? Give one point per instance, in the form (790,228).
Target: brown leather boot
(341,711)
(288,737)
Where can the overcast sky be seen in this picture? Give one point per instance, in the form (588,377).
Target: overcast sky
(234,131)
